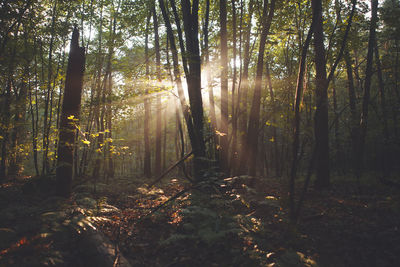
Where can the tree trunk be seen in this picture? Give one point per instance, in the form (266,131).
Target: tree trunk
(18,133)
(296,125)
(147,156)
(367,88)
(275,153)
(157,163)
(213,118)
(108,134)
(48,97)
(223,138)
(177,75)
(234,113)
(242,94)
(4,133)
(254,119)
(98,103)
(321,130)
(70,115)
(337,149)
(190,22)
(352,104)
(386,140)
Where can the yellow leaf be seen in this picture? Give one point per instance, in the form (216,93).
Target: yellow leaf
(219,133)
(86,142)
(71,117)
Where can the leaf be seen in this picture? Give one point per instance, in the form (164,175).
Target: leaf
(71,117)
(219,133)
(86,142)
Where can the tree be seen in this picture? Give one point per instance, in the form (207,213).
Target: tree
(70,115)
(321,130)
(158,109)
(193,78)
(147,155)
(224,88)
(243,92)
(367,88)
(254,118)
(296,125)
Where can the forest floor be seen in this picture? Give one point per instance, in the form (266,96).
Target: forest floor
(245,224)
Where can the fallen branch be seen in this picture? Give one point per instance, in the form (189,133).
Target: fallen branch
(171,168)
(180,193)
(176,164)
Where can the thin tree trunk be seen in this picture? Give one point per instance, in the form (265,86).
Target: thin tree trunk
(147,156)
(18,133)
(386,140)
(180,37)
(367,88)
(213,118)
(352,104)
(243,92)
(157,162)
(234,153)
(254,119)
(296,125)
(274,137)
(381,93)
(223,138)
(108,134)
(5,134)
(98,101)
(46,121)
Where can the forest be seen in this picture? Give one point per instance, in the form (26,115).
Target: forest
(199,133)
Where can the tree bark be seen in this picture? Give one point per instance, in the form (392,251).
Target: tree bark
(70,115)
(254,119)
(353,108)
(296,125)
(147,155)
(223,138)
(234,113)
(367,88)
(321,130)
(243,92)
(384,157)
(193,78)
(213,118)
(157,163)
(185,108)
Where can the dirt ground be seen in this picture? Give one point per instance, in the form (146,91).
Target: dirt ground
(350,225)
